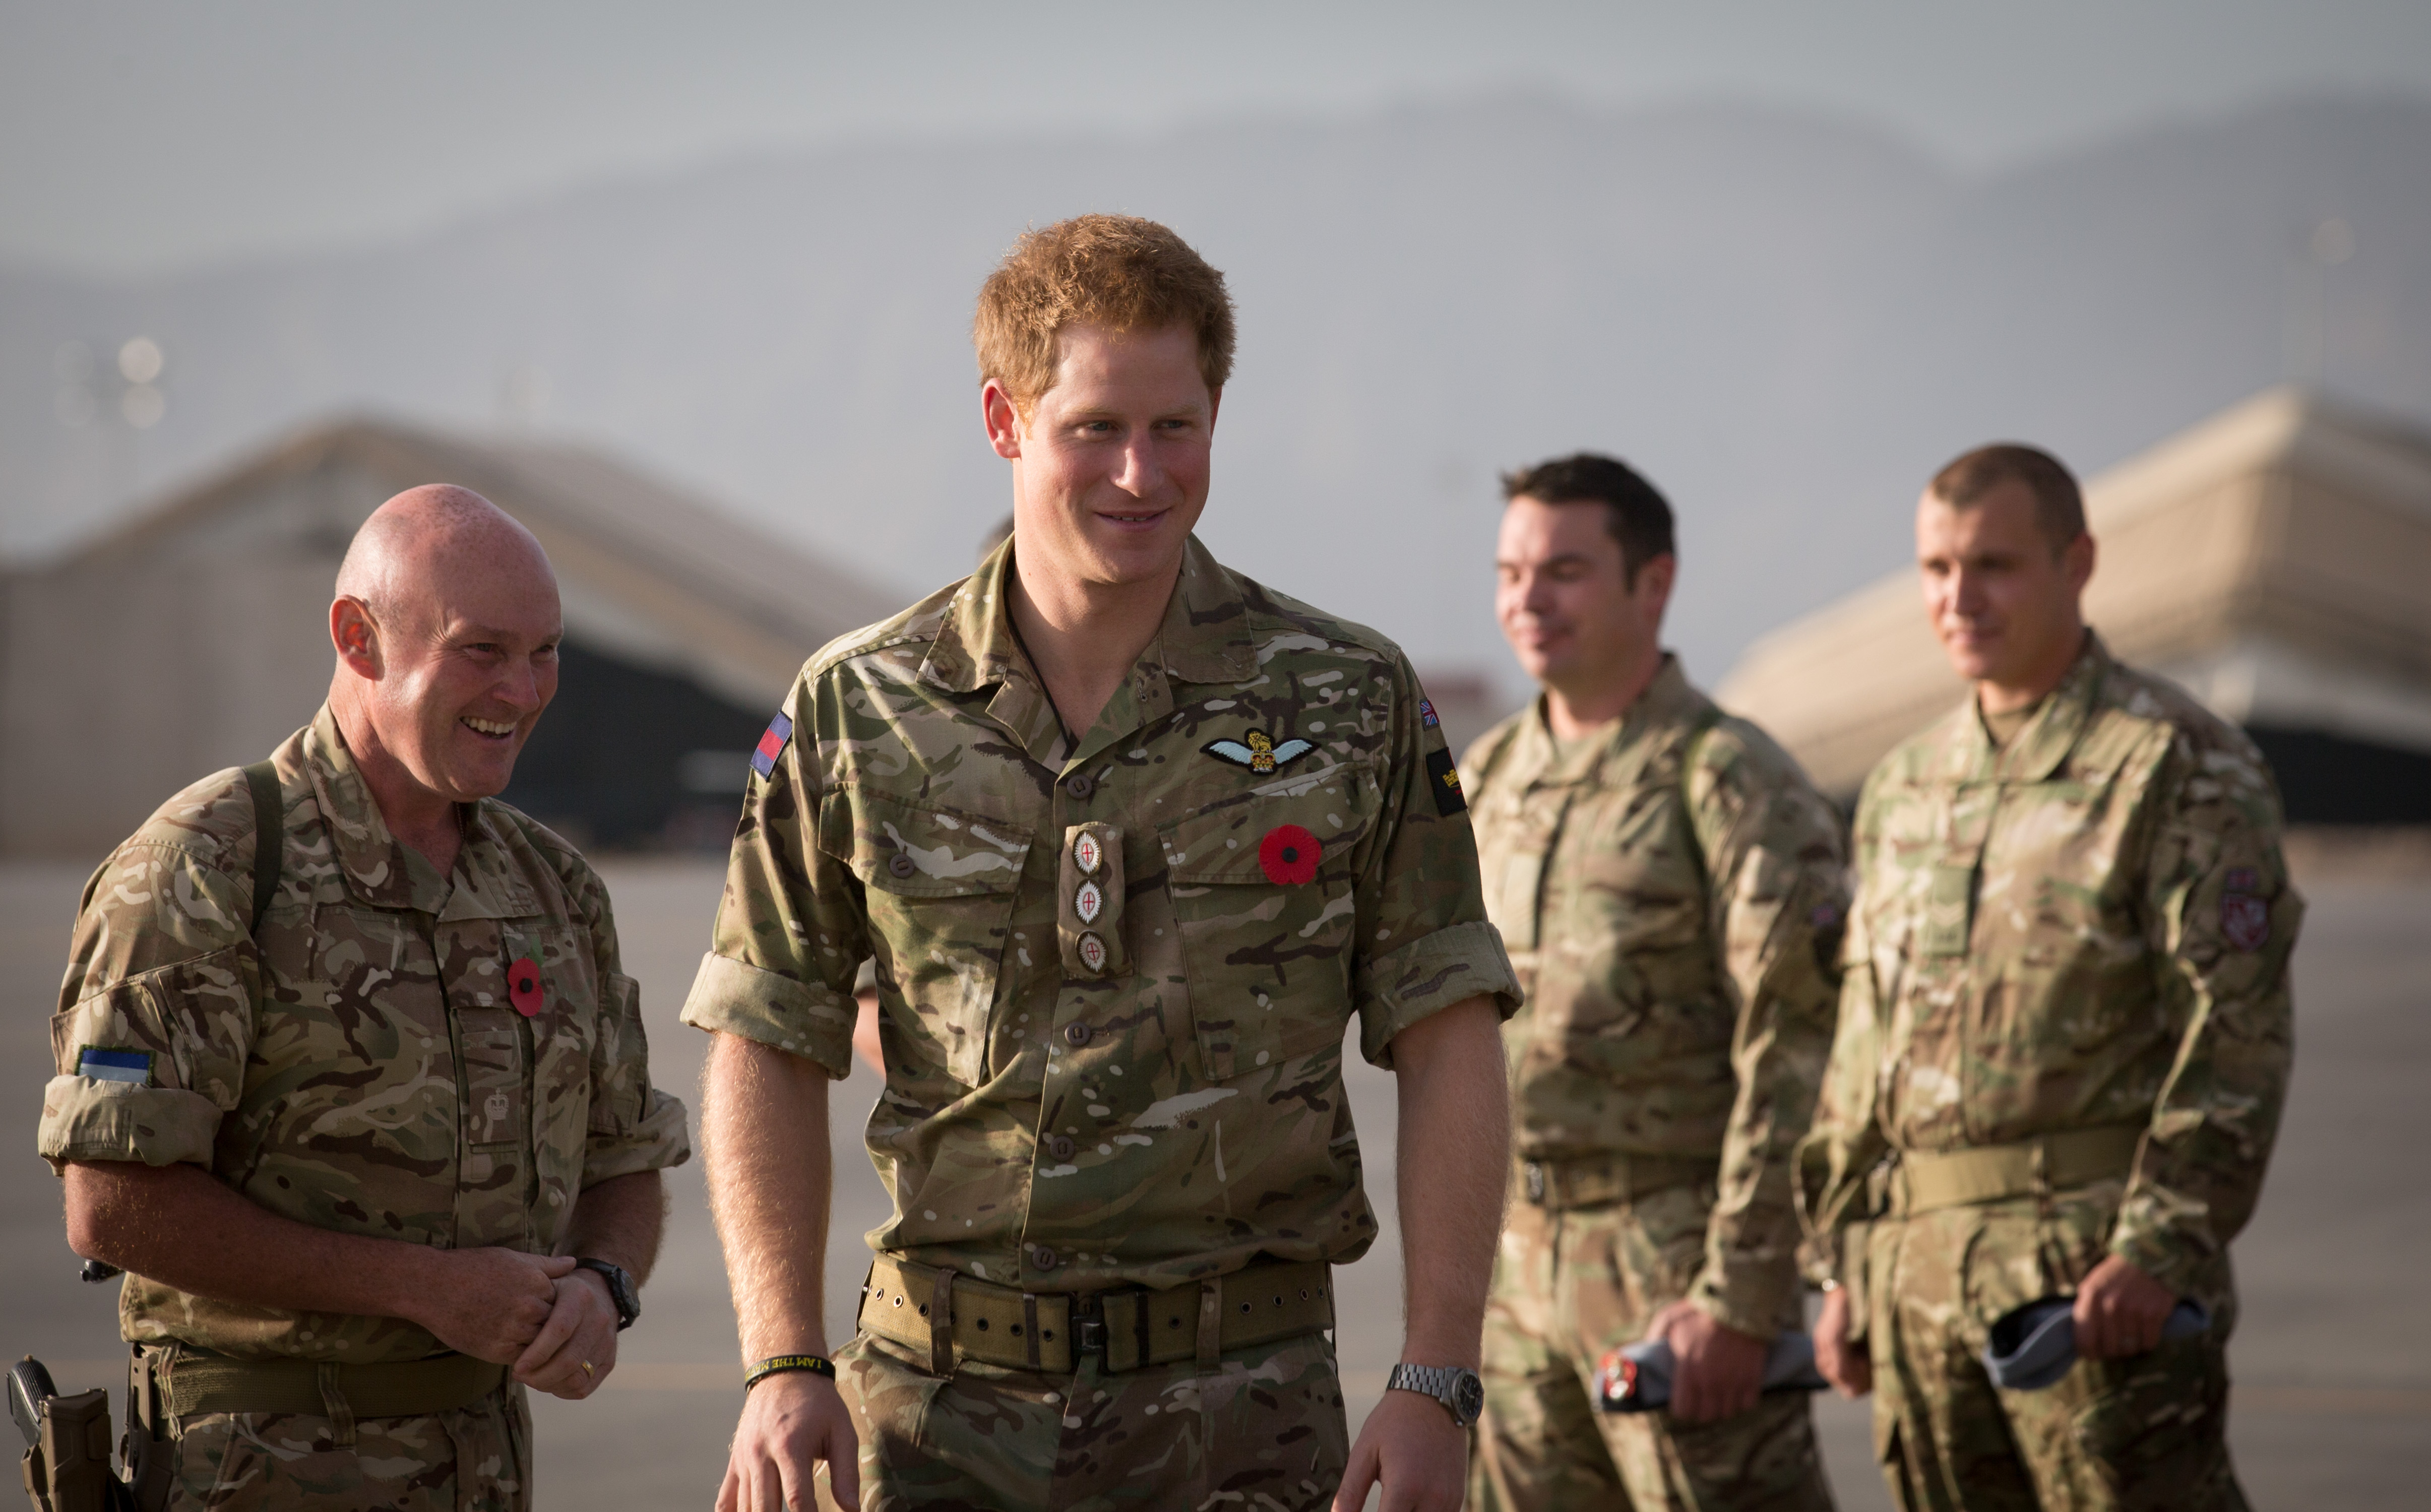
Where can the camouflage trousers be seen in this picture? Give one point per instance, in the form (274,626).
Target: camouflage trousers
(1569,1285)
(475,1459)
(1263,1428)
(2148,1432)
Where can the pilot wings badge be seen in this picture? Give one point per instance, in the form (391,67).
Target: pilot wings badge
(1258,752)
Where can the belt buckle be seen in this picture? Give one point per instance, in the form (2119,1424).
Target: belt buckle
(1534,1174)
(1088,1323)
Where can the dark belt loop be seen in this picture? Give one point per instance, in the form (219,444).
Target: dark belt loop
(333,1400)
(1029,1324)
(1211,1323)
(941,1324)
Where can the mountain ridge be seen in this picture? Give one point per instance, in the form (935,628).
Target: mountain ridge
(1786,319)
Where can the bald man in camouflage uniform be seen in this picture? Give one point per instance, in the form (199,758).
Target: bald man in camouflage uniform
(1120,936)
(1671,887)
(2064,1039)
(349,1151)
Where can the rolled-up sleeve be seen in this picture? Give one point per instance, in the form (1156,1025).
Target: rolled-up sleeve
(791,932)
(157,1014)
(1424,942)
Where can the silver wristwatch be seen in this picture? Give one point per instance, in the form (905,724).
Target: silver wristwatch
(1457,1387)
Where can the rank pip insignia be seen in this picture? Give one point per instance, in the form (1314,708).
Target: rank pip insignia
(1088,854)
(1258,752)
(1092,952)
(1089,902)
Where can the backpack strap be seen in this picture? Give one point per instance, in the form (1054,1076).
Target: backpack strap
(263,778)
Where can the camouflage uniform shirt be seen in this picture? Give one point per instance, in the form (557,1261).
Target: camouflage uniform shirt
(363,1064)
(2087,926)
(1672,896)
(1115,974)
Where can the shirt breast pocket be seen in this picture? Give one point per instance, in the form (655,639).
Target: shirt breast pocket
(939,888)
(1264,892)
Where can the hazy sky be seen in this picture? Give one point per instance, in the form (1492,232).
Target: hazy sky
(143,135)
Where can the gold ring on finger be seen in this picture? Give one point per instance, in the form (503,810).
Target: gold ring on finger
(587,1370)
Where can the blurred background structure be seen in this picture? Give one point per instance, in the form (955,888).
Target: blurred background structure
(687,289)
(186,640)
(2275,561)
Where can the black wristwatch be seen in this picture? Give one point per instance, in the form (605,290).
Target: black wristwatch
(621,1290)
(1457,1387)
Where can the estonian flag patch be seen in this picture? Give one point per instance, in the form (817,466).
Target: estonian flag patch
(116,1066)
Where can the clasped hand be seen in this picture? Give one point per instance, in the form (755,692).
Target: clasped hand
(554,1325)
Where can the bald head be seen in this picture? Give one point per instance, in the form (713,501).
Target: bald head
(428,535)
(447,626)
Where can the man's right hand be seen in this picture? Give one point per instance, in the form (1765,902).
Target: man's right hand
(488,1302)
(790,1423)
(1847,1365)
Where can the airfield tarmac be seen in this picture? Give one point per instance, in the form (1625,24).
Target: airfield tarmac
(2332,1407)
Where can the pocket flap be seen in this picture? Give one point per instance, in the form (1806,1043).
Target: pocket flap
(916,851)
(1221,843)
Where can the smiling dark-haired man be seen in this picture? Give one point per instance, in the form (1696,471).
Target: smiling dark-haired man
(1670,886)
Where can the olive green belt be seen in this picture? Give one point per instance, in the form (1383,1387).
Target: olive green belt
(193,1383)
(1926,1180)
(1130,1328)
(1594,1181)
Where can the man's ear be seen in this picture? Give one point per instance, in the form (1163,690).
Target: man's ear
(356,636)
(2077,559)
(1653,589)
(1002,418)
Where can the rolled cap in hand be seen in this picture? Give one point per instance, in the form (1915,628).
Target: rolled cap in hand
(1638,1377)
(2032,1346)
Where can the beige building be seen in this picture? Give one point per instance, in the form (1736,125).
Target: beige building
(2274,559)
(195,638)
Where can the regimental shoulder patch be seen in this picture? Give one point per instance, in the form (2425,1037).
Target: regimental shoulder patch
(772,744)
(1443,776)
(1427,714)
(131,1065)
(2244,920)
(1257,751)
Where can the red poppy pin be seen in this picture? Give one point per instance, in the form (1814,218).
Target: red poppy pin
(1289,855)
(522,986)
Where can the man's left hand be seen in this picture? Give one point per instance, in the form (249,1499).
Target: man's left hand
(2120,1311)
(1413,1449)
(1716,1372)
(576,1347)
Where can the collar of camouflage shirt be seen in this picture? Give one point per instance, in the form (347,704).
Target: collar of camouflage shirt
(1204,639)
(2033,753)
(1666,700)
(383,873)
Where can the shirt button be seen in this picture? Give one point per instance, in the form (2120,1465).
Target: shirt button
(1043,1257)
(1079,785)
(1077,1033)
(900,865)
(1060,1147)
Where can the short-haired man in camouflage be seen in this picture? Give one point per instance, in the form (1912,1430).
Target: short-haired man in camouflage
(382,1154)
(1671,890)
(2064,1039)
(1133,839)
